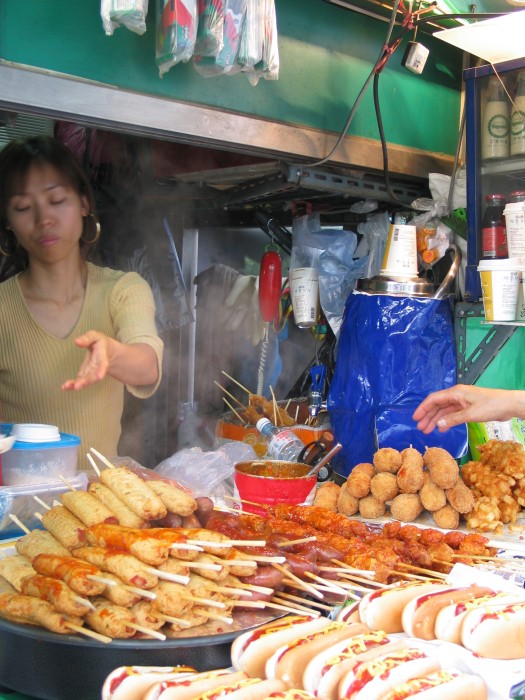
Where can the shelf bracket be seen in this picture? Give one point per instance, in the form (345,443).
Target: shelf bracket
(470,369)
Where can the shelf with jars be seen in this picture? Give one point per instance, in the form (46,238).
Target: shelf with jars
(495,150)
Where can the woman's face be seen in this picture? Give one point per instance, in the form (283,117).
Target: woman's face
(46,215)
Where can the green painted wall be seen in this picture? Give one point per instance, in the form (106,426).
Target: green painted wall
(326,54)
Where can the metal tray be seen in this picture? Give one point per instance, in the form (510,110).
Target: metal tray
(52,666)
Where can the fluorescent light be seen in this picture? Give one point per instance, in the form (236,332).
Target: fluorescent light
(493,40)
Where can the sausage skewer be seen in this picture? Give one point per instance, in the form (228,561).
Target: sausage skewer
(125,515)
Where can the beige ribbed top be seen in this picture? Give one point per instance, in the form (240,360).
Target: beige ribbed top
(34,364)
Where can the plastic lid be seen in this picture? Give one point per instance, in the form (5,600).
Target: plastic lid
(262,422)
(495,197)
(35,432)
(517,196)
(501,264)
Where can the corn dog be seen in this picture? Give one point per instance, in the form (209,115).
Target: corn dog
(125,515)
(135,493)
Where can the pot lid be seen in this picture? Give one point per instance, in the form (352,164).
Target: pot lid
(397,286)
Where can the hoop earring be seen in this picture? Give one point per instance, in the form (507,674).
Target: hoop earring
(96,226)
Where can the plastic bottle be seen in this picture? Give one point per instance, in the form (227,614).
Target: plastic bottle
(517,196)
(493,231)
(495,125)
(517,119)
(282,442)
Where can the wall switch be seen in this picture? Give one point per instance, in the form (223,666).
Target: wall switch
(415,57)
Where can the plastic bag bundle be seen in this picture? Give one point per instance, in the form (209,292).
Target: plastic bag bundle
(176,22)
(210,27)
(226,60)
(126,13)
(268,65)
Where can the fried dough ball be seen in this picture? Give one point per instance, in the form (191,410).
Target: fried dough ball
(446,518)
(442,467)
(386,459)
(326,496)
(411,456)
(383,486)
(406,507)
(432,497)
(460,497)
(364,468)
(346,503)
(370,507)
(410,478)
(358,483)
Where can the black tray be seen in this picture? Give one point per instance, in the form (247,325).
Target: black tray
(68,667)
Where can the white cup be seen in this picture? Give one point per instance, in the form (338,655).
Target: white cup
(500,282)
(400,259)
(304,290)
(515,224)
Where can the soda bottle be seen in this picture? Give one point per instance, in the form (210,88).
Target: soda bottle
(282,442)
(517,119)
(495,124)
(493,230)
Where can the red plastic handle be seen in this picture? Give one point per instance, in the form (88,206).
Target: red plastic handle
(270,280)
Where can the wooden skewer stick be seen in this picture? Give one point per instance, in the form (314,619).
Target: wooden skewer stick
(67,483)
(84,601)
(297,581)
(42,503)
(296,606)
(429,572)
(102,579)
(274,403)
(325,582)
(242,500)
(93,464)
(139,591)
(267,560)
(146,630)
(236,382)
(231,590)
(288,404)
(251,587)
(174,620)
(203,601)
(313,603)
(249,603)
(347,593)
(227,544)
(479,557)
(235,413)
(230,395)
(359,579)
(103,459)
(186,546)
(347,569)
(342,583)
(166,576)
(288,608)
(88,633)
(302,540)
(203,565)
(410,577)
(296,414)
(19,523)
(221,618)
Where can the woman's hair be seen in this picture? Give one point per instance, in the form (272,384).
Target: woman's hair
(16,159)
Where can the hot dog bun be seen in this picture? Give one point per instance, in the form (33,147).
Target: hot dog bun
(495,634)
(188,687)
(419,615)
(371,679)
(251,650)
(450,619)
(131,682)
(349,613)
(382,609)
(289,661)
(449,684)
(248,689)
(323,674)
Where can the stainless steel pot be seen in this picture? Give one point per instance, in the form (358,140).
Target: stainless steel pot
(413,286)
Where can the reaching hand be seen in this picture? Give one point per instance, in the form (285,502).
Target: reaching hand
(96,362)
(464,403)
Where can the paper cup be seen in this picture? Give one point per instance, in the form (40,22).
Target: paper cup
(400,259)
(304,290)
(515,224)
(270,482)
(500,281)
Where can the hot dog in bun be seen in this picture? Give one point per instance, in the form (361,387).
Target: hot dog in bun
(251,650)
(131,682)
(439,685)
(419,615)
(186,688)
(324,672)
(495,634)
(371,679)
(248,689)
(289,661)
(382,609)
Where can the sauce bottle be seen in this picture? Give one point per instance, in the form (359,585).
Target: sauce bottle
(517,119)
(495,124)
(493,231)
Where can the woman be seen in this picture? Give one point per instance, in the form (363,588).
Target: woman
(72,334)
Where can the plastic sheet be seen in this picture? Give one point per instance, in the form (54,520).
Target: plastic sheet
(392,352)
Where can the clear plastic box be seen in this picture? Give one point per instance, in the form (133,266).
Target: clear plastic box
(19,501)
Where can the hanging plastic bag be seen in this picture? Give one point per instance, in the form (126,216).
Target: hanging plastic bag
(127,13)
(374,234)
(259,53)
(176,32)
(210,28)
(392,353)
(226,61)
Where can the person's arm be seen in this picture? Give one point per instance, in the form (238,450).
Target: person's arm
(133,364)
(464,403)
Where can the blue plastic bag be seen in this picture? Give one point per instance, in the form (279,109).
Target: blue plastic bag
(392,352)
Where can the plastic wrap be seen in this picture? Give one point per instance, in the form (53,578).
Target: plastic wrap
(176,22)
(126,13)
(210,27)
(392,352)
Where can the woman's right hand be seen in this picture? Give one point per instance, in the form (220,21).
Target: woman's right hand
(465,403)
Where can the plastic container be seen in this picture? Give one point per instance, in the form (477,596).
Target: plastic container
(500,280)
(515,225)
(19,501)
(33,462)
(400,258)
